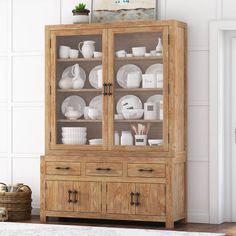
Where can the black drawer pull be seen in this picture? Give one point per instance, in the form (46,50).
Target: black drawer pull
(145,170)
(62,168)
(69,193)
(109,89)
(137,203)
(104,89)
(103,169)
(131,198)
(75,196)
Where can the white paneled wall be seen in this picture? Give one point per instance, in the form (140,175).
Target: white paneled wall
(22,87)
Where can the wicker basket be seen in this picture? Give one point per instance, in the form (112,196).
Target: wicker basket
(17,203)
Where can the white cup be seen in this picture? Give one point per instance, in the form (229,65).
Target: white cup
(133,80)
(64,52)
(74,53)
(149,81)
(93,113)
(100,78)
(151,111)
(97,54)
(121,53)
(153,53)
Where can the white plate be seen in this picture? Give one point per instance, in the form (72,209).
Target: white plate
(155,98)
(68,72)
(93,76)
(74,101)
(155,69)
(96,102)
(124,71)
(136,101)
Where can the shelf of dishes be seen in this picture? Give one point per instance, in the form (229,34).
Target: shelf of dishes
(79,90)
(77,136)
(139,136)
(79,59)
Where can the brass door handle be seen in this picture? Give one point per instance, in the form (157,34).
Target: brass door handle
(137,203)
(62,168)
(104,89)
(109,89)
(103,169)
(69,193)
(145,170)
(75,196)
(131,198)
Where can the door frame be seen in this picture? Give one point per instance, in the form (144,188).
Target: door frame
(217,118)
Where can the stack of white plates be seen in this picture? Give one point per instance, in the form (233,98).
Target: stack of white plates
(74,135)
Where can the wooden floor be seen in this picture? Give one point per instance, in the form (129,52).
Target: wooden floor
(228,228)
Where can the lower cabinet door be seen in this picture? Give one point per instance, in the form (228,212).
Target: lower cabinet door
(88,197)
(59,195)
(150,199)
(120,198)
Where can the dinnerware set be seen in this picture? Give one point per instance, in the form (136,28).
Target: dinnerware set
(74,135)
(74,77)
(86,48)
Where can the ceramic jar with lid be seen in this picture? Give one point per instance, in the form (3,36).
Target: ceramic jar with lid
(126,138)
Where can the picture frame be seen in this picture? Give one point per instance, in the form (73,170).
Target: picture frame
(123,10)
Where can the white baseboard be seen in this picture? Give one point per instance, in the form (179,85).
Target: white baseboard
(35,211)
(198,217)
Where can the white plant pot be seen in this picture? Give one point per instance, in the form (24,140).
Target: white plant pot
(78,19)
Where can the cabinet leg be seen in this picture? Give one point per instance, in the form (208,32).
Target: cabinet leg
(43,218)
(170,224)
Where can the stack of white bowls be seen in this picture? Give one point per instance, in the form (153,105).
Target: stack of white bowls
(74,135)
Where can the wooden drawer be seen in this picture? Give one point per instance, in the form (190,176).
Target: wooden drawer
(147,170)
(104,169)
(63,168)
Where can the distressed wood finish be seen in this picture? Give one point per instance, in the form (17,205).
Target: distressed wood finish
(102,182)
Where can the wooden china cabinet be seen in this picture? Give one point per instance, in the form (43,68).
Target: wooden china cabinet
(112,180)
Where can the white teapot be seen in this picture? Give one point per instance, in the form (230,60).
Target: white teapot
(87,49)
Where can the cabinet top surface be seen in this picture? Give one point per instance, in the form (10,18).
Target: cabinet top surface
(125,24)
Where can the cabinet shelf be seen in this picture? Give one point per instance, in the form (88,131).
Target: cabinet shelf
(78,121)
(139,89)
(79,60)
(139,121)
(79,90)
(138,58)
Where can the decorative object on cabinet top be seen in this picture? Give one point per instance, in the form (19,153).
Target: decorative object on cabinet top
(122,10)
(80,14)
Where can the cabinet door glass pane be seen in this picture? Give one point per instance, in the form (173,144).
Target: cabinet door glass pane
(79,80)
(139,89)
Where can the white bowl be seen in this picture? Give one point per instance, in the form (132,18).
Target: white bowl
(139,51)
(132,114)
(74,136)
(73,141)
(155,142)
(74,129)
(97,54)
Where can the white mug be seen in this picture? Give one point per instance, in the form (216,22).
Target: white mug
(100,78)
(64,52)
(74,53)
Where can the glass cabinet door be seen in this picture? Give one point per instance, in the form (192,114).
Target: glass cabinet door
(79,110)
(139,82)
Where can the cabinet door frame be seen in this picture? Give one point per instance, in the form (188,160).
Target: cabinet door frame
(112,77)
(51,88)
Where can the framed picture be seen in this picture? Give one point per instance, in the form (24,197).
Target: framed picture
(123,10)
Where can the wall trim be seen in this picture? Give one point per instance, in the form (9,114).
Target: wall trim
(216,118)
(198,217)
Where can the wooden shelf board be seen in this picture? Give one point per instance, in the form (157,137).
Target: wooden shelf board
(79,59)
(79,121)
(139,89)
(79,90)
(139,121)
(138,58)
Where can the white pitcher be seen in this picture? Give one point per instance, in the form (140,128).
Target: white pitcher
(87,49)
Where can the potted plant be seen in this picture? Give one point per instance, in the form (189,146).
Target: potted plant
(80,14)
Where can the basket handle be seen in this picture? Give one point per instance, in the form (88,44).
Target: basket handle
(3,184)
(23,185)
